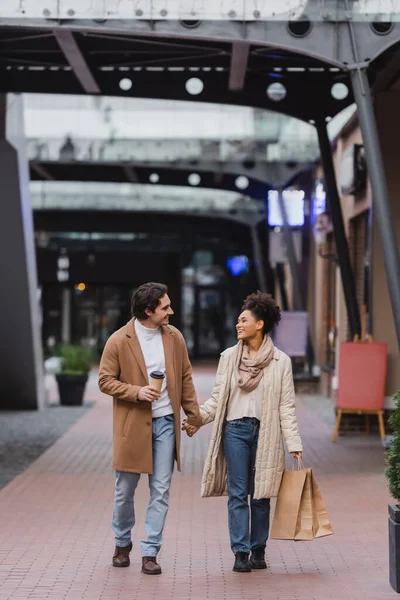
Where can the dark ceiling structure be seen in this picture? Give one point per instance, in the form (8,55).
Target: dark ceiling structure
(233,66)
(61,61)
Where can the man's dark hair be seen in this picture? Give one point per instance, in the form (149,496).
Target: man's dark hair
(264,308)
(148,296)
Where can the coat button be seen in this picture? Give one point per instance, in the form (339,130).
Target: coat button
(148,423)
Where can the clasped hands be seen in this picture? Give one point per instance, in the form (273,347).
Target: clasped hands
(190,429)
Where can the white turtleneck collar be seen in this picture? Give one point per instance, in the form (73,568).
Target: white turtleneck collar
(146,332)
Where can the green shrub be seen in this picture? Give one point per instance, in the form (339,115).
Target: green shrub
(76,360)
(393,456)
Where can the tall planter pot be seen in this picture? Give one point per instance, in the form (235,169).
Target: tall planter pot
(394,546)
(71,388)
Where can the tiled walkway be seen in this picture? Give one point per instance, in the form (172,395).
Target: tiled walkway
(56,541)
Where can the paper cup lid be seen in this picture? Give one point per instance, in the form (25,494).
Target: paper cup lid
(157,375)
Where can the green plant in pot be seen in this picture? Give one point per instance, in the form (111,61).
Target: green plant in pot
(76,362)
(393,477)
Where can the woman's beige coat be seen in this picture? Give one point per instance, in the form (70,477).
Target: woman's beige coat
(278,423)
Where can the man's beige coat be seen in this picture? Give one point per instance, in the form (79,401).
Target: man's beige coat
(278,423)
(122,374)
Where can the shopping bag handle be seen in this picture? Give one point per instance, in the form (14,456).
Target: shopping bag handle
(298,464)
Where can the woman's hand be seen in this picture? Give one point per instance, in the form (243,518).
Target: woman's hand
(296,455)
(190,429)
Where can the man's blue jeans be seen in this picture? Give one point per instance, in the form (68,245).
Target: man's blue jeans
(240,447)
(159,483)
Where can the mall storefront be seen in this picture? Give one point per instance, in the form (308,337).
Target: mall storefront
(85,296)
(326,300)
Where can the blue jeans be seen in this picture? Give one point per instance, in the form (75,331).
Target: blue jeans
(240,447)
(159,482)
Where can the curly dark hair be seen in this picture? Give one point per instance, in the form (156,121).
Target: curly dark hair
(264,308)
(148,296)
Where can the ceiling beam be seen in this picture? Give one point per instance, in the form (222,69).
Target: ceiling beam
(131,174)
(238,69)
(41,171)
(76,60)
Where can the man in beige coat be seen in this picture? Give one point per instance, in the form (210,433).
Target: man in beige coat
(146,432)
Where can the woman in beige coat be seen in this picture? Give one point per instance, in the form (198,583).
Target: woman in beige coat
(252,407)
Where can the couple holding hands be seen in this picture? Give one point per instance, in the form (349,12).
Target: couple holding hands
(251,406)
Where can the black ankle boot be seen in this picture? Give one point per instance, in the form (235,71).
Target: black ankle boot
(242,564)
(257,560)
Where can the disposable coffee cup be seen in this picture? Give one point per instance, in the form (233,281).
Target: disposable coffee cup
(156,379)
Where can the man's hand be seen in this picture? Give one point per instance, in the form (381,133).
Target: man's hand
(190,429)
(148,393)
(297,455)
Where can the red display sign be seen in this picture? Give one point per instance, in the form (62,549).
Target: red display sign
(362,375)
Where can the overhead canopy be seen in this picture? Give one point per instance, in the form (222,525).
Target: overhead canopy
(143,198)
(126,65)
(131,140)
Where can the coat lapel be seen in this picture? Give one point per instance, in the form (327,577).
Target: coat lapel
(136,350)
(169,353)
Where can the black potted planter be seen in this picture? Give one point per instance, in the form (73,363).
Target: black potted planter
(393,477)
(71,389)
(75,366)
(394,546)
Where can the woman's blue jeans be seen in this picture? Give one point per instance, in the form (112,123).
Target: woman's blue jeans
(240,447)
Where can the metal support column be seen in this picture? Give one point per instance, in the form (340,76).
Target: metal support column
(258,258)
(66,316)
(342,248)
(280,274)
(291,252)
(298,303)
(380,193)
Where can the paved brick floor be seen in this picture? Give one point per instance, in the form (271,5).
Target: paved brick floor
(56,541)
(25,435)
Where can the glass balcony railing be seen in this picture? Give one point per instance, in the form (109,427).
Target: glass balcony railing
(131,197)
(103,128)
(193,10)
(169,151)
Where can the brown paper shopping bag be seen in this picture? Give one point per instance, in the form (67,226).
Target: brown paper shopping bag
(322,526)
(300,512)
(287,509)
(304,526)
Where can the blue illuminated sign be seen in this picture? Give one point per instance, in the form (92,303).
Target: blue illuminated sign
(237,265)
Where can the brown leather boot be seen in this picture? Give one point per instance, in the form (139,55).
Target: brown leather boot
(121,556)
(150,566)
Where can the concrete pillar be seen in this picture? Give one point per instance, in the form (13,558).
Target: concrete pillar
(21,364)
